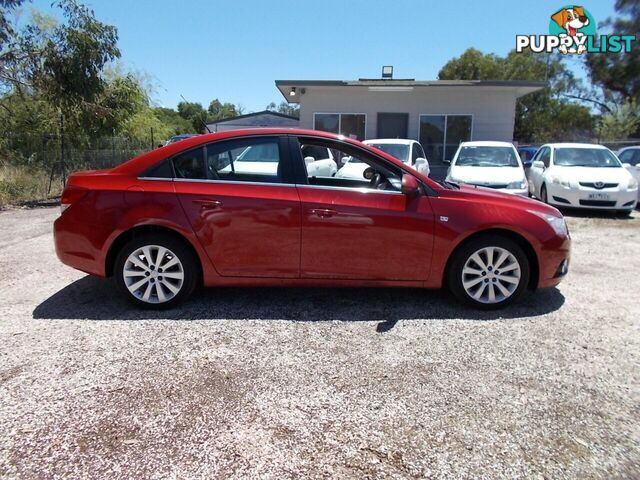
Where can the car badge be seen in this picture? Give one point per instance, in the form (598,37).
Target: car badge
(598,184)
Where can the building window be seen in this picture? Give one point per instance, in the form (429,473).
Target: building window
(440,135)
(351,125)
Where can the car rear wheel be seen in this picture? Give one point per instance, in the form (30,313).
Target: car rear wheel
(489,272)
(156,271)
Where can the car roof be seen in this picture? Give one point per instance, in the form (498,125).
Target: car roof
(575,145)
(146,160)
(394,141)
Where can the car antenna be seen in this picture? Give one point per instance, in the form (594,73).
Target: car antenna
(203,123)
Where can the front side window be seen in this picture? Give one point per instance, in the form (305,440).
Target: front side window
(585,157)
(247,160)
(486,157)
(355,168)
(350,125)
(190,164)
(632,157)
(544,156)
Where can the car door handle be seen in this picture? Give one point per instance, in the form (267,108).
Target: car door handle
(323,212)
(206,204)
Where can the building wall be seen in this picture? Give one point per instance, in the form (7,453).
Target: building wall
(493,108)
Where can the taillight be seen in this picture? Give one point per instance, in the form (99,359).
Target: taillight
(70,195)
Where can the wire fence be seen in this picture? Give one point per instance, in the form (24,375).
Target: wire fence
(50,151)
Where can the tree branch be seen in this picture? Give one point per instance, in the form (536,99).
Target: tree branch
(584,99)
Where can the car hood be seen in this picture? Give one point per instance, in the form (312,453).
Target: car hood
(591,174)
(487,175)
(482,194)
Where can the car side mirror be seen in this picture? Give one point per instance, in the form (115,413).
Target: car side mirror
(446,161)
(527,164)
(344,160)
(538,164)
(626,165)
(410,186)
(309,160)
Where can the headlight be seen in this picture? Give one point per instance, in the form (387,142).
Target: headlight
(560,181)
(633,184)
(519,185)
(557,223)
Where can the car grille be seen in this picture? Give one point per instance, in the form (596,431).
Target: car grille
(598,185)
(597,203)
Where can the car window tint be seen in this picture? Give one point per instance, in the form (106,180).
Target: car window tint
(315,151)
(627,156)
(161,170)
(247,160)
(190,164)
(349,167)
(545,156)
(420,151)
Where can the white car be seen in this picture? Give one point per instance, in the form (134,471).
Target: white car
(409,152)
(319,161)
(582,175)
(630,158)
(495,165)
(263,160)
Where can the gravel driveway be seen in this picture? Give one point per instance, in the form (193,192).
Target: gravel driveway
(319,383)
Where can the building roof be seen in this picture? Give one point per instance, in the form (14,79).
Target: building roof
(245,119)
(520,87)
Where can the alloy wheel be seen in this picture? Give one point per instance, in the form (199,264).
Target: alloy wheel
(491,275)
(153,274)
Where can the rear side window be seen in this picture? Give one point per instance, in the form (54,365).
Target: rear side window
(190,164)
(161,170)
(247,160)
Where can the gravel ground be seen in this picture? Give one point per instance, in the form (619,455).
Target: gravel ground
(319,383)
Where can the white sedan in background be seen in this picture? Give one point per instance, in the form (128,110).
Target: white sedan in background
(494,165)
(409,152)
(630,158)
(582,175)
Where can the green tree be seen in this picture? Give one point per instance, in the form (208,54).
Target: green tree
(545,115)
(194,113)
(618,74)
(219,111)
(285,108)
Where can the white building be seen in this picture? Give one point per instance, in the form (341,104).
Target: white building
(440,114)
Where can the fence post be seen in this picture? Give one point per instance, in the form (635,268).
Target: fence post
(62,164)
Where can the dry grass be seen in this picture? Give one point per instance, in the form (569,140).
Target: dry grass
(20,184)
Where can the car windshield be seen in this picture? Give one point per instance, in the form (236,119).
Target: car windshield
(266,152)
(401,152)
(585,157)
(486,157)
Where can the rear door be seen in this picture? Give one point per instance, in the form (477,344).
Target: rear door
(243,206)
(354,229)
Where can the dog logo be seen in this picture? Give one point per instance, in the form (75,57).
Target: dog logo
(572,30)
(572,20)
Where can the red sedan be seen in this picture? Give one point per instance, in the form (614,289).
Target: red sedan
(239,208)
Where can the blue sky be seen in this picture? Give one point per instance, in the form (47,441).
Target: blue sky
(235,49)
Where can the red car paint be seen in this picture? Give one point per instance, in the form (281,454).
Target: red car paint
(275,234)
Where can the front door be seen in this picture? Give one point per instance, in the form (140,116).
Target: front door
(393,125)
(242,205)
(358,228)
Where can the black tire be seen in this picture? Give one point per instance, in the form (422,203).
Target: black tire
(175,247)
(543,194)
(462,254)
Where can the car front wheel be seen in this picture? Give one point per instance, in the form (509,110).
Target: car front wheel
(156,271)
(489,272)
